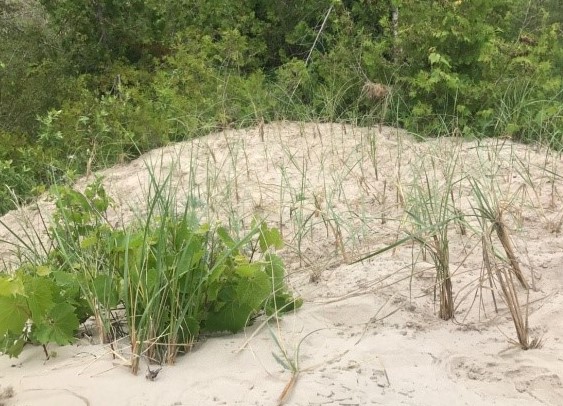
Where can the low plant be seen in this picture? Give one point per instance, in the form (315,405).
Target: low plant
(171,276)
(45,298)
(502,271)
(181,278)
(81,234)
(289,362)
(430,211)
(40,306)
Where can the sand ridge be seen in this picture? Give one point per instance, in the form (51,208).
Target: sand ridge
(369,330)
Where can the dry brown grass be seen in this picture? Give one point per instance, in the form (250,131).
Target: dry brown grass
(375,91)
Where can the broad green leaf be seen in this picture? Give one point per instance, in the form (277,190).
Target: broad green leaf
(275,269)
(192,253)
(106,289)
(253,291)
(152,280)
(123,241)
(181,234)
(269,237)
(226,294)
(14,313)
(248,270)
(11,287)
(39,292)
(12,344)
(63,278)
(213,292)
(192,281)
(191,330)
(231,317)
(58,326)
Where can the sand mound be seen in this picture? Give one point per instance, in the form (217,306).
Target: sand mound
(338,192)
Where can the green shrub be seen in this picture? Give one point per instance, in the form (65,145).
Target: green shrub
(173,276)
(111,81)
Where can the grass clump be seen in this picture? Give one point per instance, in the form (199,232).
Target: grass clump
(503,272)
(162,280)
(430,211)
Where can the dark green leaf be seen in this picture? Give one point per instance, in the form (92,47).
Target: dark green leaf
(39,292)
(12,344)
(58,326)
(106,289)
(248,270)
(275,269)
(253,291)
(231,317)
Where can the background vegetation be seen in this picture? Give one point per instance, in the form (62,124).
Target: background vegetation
(83,86)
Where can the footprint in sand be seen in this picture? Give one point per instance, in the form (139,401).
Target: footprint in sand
(459,367)
(548,388)
(536,382)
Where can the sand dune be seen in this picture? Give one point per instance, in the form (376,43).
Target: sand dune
(369,331)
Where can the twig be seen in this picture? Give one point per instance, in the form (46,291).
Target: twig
(313,47)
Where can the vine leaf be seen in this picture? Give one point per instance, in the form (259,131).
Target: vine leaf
(238,302)
(232,316)
(12,344)
(39,292)
(254,291)
(11,287)
(269,237)
(14,313)
(58,326)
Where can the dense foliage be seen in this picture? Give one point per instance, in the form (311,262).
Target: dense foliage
(87,84)
(167,277)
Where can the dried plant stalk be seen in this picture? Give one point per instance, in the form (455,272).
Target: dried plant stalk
(440,256)
(488,260)
(504,238)
(375,91)
(288,389)
(504,276)
(506,282)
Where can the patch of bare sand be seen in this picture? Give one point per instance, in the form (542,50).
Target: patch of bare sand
(336,192)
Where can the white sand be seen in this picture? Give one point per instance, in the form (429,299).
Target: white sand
(356,355)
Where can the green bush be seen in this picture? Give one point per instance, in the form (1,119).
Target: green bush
(111,81)
(174,277)
(39,307)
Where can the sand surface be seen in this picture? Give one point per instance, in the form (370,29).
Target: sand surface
(369,332)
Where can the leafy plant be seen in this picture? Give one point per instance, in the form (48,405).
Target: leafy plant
(81,236)
(181,278)
(289,362)
(173,276)
(36,308)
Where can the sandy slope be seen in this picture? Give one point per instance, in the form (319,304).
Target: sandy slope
(336,192)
